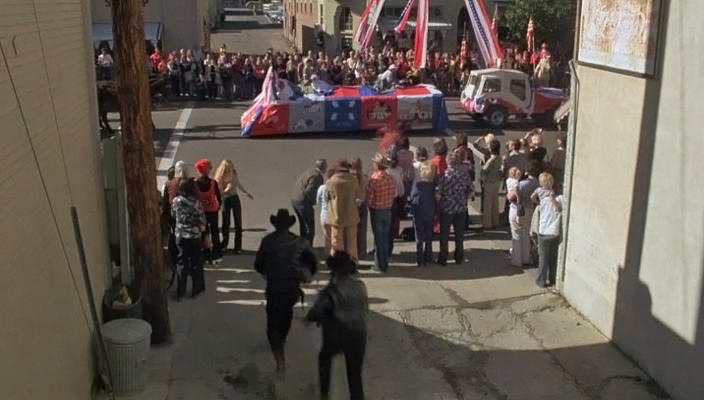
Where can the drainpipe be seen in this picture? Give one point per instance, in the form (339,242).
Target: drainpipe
(570,150)
(569,168)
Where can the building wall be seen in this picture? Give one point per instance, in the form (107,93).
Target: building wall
(449,9)
(634,252)
(182,20)
(46,334)
(305,13)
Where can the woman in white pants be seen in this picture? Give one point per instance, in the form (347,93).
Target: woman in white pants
(520,225)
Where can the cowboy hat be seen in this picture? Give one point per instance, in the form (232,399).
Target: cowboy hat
(282,219)
(381,160)
(341,263)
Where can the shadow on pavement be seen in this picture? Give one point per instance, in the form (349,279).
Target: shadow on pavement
(493,351)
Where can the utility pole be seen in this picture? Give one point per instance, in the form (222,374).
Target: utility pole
(140,172)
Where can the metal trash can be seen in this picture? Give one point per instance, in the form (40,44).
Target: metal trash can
(127,343)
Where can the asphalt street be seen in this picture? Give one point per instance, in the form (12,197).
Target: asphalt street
(481,330)
(249,34)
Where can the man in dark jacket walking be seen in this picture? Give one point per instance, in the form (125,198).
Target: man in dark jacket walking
(284,260)
(342,309)
(303,198)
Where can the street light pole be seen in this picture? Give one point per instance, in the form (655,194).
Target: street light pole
(140,171)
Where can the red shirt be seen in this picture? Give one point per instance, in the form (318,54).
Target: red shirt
(440,164)
(381,191)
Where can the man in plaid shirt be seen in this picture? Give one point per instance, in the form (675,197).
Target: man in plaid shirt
(453,191)
(381,194)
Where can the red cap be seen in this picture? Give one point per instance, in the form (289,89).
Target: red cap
(203,167)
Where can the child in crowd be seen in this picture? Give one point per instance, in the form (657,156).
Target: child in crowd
(545,191)
(514,176)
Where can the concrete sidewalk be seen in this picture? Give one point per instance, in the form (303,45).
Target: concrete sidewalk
(477,331)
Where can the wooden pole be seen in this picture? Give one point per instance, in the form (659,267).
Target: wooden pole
(140,172)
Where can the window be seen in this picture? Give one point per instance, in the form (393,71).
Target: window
(396,12)
(492,85)
(346,43)
(518,88)
(346,19)
(321,17)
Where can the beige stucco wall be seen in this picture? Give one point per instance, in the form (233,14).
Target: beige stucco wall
(634,253)
(182,20)
(45,341)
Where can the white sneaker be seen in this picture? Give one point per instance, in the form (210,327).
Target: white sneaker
(217,261)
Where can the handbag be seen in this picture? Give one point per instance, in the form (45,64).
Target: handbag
(207,241)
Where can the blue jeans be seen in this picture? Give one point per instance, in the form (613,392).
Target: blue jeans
(424,240)
(381,228)
(190,262)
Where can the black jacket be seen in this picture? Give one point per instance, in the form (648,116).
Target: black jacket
(284,259)
(342,308)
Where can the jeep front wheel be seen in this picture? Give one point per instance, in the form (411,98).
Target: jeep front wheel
(497,117)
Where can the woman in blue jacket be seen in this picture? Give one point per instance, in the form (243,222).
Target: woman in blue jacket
(422,201)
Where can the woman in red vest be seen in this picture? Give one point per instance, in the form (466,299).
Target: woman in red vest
(208,193)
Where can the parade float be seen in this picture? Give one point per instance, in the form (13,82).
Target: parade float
(284,108)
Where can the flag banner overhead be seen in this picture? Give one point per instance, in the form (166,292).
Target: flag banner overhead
(405,14)
(487,41)
(361,31)
(287,110)
(420,50)
(373,20)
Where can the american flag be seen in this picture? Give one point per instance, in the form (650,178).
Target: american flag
(463,53)
(372,20)
(486,39)
(420,50)
(495,19)
(403,20)
(530,35)
(361,32)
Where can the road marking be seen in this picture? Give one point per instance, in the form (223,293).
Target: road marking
(168,157)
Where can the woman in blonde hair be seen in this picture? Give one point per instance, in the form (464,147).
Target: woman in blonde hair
(229,182)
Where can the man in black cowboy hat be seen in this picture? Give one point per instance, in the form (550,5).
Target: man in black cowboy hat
(285,260)
(342,309)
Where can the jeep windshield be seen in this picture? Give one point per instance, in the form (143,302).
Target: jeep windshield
(471,88)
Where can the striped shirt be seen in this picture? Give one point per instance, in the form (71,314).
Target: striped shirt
(381,191)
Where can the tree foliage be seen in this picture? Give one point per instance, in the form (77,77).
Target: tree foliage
(554,22)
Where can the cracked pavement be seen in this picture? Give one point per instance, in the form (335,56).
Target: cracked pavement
(461,346)
(481,330)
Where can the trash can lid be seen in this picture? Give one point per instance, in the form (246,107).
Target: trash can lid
(126,331)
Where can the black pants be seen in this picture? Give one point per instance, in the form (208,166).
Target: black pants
(189,262)
(457,222)
(547,260)
(306,220)
(232,208)
(353,351)
(175,83)
(211,219)
(212,90)
(280,300)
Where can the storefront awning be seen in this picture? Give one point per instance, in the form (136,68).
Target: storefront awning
(434,24)
(103,32)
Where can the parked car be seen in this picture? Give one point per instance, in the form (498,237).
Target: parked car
(255,6)
(495,95)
